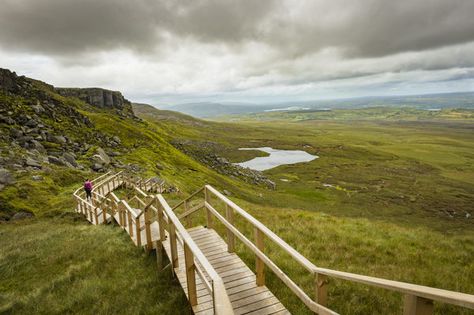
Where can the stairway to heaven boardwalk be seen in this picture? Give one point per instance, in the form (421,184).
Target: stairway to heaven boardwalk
(213,276)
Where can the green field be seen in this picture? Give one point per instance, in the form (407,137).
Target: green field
(401,188)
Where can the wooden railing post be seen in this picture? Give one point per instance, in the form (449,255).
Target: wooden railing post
(173,246)
(104,212)
(188,218)
(159,243)
(130,223)
(119,209)
(415,305)
(229,212)
(321,289)
(259,264)
(190,275)
(91,218)
(138,231)
(207,197)
(96,216)
(147,214)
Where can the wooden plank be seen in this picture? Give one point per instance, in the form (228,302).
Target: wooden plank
(237,282)
(238,276)
(258,305)
(217,262)
(256,297)
(241,287)
(269,310)
(246,293)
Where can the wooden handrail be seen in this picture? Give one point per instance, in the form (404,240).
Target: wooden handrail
(268,233)
(440,295)
(188,198)
(114,196)
(320,309)
(197,263)
(221,298)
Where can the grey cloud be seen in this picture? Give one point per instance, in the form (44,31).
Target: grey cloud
(71,27)
(364,28)
(372,28)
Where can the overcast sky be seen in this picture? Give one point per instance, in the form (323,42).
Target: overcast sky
(175,51)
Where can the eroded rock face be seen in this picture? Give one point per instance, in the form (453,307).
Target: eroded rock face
(97,97)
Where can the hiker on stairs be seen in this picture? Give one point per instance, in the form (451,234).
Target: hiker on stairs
(88,189)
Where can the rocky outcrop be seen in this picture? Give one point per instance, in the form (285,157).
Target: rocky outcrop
(37,127)
(205,152)
(95,96)
(100,98)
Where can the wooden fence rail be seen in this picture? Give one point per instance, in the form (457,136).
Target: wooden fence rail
(154,210)
(418,300)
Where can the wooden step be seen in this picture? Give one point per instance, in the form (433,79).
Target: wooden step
(240,282)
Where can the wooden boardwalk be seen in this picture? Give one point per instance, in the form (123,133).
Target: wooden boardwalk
(213,277)
(240,282)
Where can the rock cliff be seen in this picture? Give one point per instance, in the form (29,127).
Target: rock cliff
(100,98)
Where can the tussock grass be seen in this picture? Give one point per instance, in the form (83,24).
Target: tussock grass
(58,266)
(380,249)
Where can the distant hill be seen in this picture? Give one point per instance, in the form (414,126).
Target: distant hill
(209,109)
(426,101)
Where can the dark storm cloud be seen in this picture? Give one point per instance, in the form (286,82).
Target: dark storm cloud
(372,28)
(364,28)
(70,27)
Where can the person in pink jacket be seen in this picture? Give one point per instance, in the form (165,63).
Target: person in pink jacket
(88,189)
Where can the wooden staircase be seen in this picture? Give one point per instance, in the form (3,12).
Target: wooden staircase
(214,277)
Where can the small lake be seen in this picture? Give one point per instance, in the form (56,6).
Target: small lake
(276,158)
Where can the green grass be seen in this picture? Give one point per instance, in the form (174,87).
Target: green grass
(57,266)
(368,247)
(401,187)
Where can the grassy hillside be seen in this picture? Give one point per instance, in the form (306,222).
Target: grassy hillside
(395,209)
(402,171)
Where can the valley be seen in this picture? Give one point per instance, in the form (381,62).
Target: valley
(390,198)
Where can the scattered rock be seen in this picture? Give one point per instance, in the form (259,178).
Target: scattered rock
(97,167)
(38,109)
(6,120)
(6,178)
(159,166)
(103,156)
(38,146)
(31,123)
(58,139)
(21,216)
(55,160)
(69,157)
(37,178)
(205,152)
(33,163)
(116,139)
(226,192)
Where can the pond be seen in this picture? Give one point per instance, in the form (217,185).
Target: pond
(276,158)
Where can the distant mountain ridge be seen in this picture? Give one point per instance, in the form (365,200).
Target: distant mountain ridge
(423,101)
